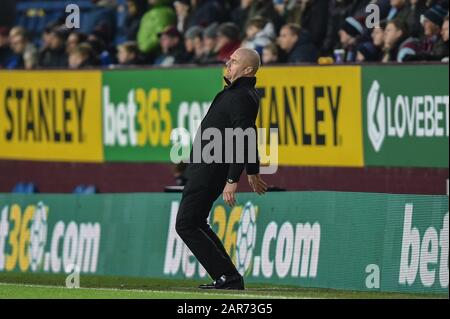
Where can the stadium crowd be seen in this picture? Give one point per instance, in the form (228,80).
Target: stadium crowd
(202,32)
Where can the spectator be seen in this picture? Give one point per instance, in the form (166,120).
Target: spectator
(209,55)
(349,36)
(378,36)
(368,52)
(440,49)
(153,22)
(81,56)
(128,53)
(444,35)
(432,21)
(6,54)
(135,11)
(249,9)
(193,44)
(338,11)
(227,40)
(311,15)
(402,11)
(101,55)
(182,10)
(171,47)
(297,44)
(25,53)
(74,39)
(259,33)
(397,43)
(54,56)
(198,13)
(270,54)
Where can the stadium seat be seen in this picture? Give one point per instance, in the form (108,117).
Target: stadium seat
(85,189)
(25,188)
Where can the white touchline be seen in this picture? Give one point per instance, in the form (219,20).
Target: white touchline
(161,291)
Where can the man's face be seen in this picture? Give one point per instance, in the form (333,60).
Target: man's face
(167,42)
(221,41)
(236,66)
(444,31)
(209,44)
(189,45)
(251,31)
(72,42)
(268,56)
(397,3)
(181,9)
(124,56)
(429,28)
(54,41)
(131,7)
(391,35)
(346,39)
(18,44)
(378,37)
(287,39)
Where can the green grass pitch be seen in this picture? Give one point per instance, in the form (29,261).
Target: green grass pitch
(23,286)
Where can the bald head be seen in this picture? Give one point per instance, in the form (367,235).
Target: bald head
(250,58)
(243,63)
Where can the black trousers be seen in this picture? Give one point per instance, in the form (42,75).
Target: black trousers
(193,228)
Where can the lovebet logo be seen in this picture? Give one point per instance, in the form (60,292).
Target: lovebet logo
(286,250)
(403,116)
(24,241)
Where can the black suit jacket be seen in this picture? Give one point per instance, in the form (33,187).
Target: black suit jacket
(236,106)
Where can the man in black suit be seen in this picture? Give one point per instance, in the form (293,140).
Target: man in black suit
(235,107)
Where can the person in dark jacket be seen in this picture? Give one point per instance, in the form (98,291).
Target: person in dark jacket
(6,54)
(398,45)
(235,107)
(55,55)
(297,44)
(135,11)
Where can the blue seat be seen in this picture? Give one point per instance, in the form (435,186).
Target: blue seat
(85,189)
(25,188)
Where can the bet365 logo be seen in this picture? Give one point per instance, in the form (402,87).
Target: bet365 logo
(246,238)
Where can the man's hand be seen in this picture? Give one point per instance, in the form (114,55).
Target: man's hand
(257,184)
(228,194)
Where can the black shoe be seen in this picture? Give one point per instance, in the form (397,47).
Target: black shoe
(233,282)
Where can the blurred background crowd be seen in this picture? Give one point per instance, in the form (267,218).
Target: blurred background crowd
(116,33)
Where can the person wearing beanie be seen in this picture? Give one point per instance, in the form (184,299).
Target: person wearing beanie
(432,21)
(297,44)
(440,50)
(209,55)
(193,44)
(398,45)
(171,46)
(227,40)
(349,35)
(368,52)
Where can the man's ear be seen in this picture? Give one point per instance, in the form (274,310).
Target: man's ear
(249,70)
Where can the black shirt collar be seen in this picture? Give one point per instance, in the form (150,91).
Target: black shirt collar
(242,81)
